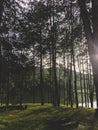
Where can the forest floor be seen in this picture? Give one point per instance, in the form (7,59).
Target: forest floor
(36,117)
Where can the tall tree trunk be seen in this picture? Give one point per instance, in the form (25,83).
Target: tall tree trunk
(1,67)
(70,89)
(54,73)
(73,56)
(64,76)
(92,37)
(7,91)
(80,77)
(84,82)
(1,12)
(95,42)
(1,9)
(91,87)
(41,70)
(21,83)
(50,76)
(33,84)
(67,80)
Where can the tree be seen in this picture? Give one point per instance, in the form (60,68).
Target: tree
(91,33)
(1,12)
(11,16)
(1,9)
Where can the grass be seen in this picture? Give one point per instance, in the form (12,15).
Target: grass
(34,118)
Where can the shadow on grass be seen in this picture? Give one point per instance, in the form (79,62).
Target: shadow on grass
(35,118)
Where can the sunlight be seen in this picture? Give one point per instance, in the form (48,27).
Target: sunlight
(95,56)
(89,104)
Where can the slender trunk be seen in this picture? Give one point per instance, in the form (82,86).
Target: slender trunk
(84,83)
(59,81)
(7,92)
(7,83)
(81,86)
(80,79)
(33,85)
(95,42)
(88,80)
(41,70)
(91,87)
(1,72)
(54,73)
(1,9)
(73,56)
(67,80)
(1,12)
(21,83)
(64,77)
(70,84)
(50,76)
(75,77)
(75,83)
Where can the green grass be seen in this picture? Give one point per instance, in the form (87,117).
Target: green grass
(34,118)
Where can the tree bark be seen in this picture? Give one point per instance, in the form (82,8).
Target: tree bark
(56,99)
(1,9)
(41,70)
(1,12)
(95,43)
